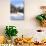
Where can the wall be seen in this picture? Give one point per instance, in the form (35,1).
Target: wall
(27,26)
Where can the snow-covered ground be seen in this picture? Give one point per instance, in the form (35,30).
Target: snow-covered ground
(17,16)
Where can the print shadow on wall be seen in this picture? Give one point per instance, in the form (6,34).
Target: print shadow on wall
(17,9)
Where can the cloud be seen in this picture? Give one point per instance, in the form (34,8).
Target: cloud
(17,3)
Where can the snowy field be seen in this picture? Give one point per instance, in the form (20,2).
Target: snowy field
(18,16)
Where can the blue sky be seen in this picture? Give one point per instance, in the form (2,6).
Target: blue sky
(17,3)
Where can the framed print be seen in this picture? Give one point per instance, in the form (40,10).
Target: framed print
(17,9)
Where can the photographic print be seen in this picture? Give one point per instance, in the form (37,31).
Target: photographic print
(17,9)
